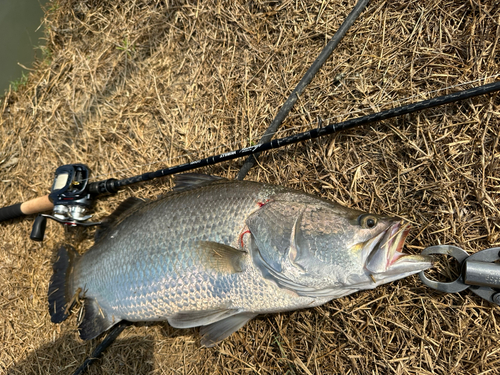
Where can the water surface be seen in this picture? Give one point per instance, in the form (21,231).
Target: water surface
(19,21)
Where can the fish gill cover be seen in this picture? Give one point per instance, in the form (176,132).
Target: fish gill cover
(125,84)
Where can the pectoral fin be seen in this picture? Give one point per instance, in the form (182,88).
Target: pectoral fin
(218,331)
(220,258)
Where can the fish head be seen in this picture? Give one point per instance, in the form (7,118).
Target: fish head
(333,250)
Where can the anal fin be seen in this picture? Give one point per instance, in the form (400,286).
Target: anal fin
(218,331)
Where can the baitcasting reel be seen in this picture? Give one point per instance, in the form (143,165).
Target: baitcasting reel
(71,197)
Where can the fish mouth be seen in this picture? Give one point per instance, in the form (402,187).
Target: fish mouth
(387,256)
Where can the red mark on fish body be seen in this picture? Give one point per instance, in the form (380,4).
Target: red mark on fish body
(241,237)
(262,203)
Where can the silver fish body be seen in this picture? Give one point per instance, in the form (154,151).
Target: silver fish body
(216,253)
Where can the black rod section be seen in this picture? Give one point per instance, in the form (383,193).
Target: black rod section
(11,212)
(311,72)
(311,134)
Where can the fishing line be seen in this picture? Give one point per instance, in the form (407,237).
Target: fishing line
(242,143)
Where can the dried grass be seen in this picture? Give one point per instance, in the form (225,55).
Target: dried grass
(132,86)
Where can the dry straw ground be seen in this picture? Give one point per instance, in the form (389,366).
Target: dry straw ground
(129,86)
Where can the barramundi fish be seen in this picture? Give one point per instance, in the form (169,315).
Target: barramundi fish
(214,253)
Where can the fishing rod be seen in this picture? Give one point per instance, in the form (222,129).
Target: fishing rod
(72,194)
(112,185)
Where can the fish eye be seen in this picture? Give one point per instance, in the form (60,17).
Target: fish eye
(367,221)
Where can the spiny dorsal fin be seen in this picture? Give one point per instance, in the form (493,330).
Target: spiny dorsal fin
(187,181)
(125,208)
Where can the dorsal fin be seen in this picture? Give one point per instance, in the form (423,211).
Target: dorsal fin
(125,208)
(187,181)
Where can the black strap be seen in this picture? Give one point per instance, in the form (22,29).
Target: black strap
(107,341)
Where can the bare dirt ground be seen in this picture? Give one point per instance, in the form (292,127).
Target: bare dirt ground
(132,86)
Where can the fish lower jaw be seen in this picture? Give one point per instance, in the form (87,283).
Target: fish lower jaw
(403,263)
(400,262)
(406,265)
(395,257)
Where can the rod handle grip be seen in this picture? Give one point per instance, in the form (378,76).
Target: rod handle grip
(32,206)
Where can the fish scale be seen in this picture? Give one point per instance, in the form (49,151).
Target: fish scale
(215,253)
